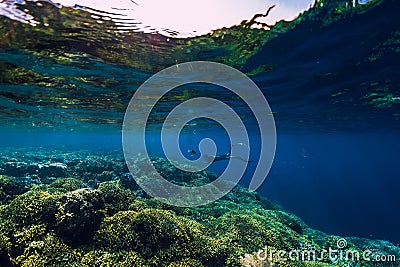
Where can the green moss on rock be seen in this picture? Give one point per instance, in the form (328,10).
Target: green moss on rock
(48,252)
(147,231)
(69,184)
(35,206)
(116,198)
(99,258)
(10,188)
(79,214)
(186,263)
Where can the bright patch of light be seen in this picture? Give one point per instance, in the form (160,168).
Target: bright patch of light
(190,17)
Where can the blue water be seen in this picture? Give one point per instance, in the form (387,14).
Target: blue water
(340,183)
(335,96)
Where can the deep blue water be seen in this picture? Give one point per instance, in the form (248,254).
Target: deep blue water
(335,94)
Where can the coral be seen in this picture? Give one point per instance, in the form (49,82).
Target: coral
(44,170)
(186,263)
(11,187)
(117,232)
(290,220)
(170,172)
(245,198)
(138,205)
(48,252)
(35,206)
(79,215)
(116,198)
(61,223)
(216,251)
(19,169)
(97,258)
(53,169)
(5,248)
(252,231)
(128,182)
(69,184)
(252,261)
(147,231)
(93,165)
(95,169)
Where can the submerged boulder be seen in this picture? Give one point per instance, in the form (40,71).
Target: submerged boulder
(42,170)
(68,184)
(79,215)
(148,231)
(35,206)
(53,169)
(11,187)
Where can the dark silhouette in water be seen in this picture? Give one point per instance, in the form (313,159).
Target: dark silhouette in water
(225,156)
(192,152)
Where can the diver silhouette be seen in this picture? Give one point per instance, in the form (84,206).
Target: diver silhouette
(225,156)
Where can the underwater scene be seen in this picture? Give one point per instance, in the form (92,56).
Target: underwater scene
(267,141)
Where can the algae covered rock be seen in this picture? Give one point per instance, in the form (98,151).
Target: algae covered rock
(5,247)
(116,198)
(43,170)
(99,258)
(35,206)
(68,184)
(19,168)
(147,231)
(79,215)
(62,223)
(48,252)
(287,219)
(52,169)
(11,187)
(251,231)
(186,263)
(117,232)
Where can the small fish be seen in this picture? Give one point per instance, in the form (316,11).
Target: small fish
(192,152)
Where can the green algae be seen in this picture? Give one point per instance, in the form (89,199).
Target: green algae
(42,227)
(116,197)
(62,222)
(9,189)
(98,258)
(34,206)
(68,184)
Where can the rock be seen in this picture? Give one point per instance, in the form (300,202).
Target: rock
(19,169)
(69,184)
(79,215)
(55,169)
(11,187)
(43,170)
